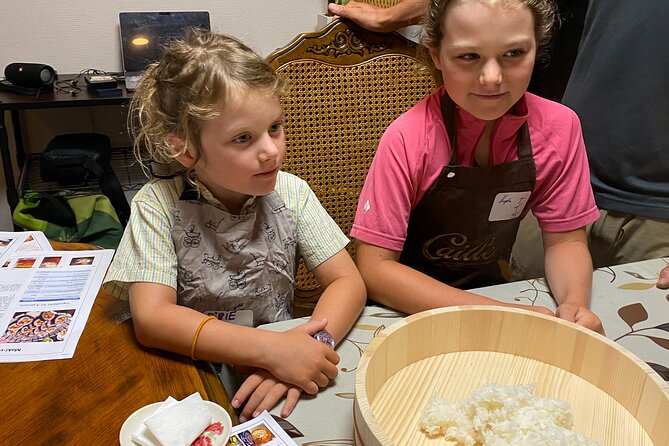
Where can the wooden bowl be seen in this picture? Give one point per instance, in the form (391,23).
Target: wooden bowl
(615,398)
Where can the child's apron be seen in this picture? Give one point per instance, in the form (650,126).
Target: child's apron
(463,229)
(239,268)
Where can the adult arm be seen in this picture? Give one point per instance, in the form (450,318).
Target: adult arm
(376,18)
(569,273)
(405,289)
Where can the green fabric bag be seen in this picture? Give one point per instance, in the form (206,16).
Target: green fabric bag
(76,218)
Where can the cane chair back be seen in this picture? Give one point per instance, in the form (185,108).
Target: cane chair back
(347,85)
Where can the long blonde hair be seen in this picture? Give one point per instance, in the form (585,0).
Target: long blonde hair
(544,12)
(186,87)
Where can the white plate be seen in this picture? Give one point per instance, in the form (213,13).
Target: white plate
(132,423)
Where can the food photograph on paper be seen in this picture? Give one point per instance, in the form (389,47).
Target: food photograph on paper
(38,326)
(76,261)
(26,262)
(50,262)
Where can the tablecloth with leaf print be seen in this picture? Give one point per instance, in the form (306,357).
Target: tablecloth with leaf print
(634,312)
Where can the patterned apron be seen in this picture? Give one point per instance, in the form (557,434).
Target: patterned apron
(463,229)
(239,268)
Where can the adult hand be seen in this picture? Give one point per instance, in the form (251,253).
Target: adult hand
(262,391)
(295,357)
(580,315)
(373,18)
(663,281)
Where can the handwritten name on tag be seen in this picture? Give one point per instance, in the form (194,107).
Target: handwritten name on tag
(237,317)
(508,205)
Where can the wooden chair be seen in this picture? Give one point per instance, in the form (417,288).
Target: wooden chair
(347,85)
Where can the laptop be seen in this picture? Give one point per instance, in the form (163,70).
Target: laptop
(143,35)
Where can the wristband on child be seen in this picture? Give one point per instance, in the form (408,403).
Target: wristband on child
(197,335)
(325,337)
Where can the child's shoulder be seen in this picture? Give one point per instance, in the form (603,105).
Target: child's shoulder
(287,182)
(160,192)
(558,124)
(548,111)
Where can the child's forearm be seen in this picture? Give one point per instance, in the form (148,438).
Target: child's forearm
(172,328)
(569,269)
(341,303)
(292,356)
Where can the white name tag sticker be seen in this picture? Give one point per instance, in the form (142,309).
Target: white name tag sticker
(508,205)
(237,317)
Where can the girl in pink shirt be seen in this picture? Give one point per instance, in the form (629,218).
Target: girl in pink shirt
(453,177)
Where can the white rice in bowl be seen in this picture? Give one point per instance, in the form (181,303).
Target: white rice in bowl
(503,415)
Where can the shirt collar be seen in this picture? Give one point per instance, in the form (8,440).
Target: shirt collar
(506,127)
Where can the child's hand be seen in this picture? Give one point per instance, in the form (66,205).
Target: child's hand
(262,391)
(536,309)
(581,315)
(297,358)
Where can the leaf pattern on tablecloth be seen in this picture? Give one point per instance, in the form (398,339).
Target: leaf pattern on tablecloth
(365,327)
(608,270)
(636,286)
(635,313)
(388,315)
(359,344)
(333,442)
(346,395)
(661,370)
(639,276)
(533,290)
(664,343)
(632,314)
(287,426)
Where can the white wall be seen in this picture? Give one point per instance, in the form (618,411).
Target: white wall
(75,35)
(78,34)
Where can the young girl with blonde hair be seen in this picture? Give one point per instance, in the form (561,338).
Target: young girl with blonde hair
(211,252)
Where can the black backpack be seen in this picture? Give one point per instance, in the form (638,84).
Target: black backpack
(76,158)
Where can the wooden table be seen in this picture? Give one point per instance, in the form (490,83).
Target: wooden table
(86,399)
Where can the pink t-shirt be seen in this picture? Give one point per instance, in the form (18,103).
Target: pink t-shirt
(415,148)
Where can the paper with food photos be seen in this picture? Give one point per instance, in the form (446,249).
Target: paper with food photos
(11,242)
(45,299)
(261,430)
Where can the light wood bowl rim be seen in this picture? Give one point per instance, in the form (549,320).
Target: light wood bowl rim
(362,410)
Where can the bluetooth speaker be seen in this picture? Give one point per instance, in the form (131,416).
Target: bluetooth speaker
(30,75)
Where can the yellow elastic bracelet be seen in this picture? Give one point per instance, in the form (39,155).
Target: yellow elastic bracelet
(197,335)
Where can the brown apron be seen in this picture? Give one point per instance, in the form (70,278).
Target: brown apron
(239,268)
(462,231)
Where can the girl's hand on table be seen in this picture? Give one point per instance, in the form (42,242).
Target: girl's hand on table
(536,309)
(580,315)
(262,391)
(295,357)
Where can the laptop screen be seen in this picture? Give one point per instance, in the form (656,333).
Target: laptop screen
(143,34)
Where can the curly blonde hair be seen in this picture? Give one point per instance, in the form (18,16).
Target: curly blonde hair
(544,11)
(187,86)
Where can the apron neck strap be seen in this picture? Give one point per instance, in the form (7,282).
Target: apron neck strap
(449,117)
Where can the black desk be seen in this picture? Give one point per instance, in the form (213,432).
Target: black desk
(12,103)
